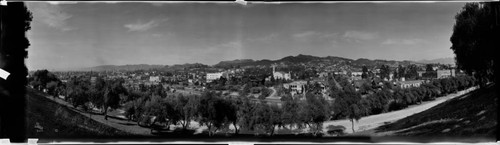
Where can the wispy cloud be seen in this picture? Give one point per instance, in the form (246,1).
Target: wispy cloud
(402,41)
(305,35)
(143,26)
(309,35)
(52,15)
(359,35)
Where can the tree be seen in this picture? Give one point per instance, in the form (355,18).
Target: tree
(290,115)
(474,40)
(267,117)
(15,22)
(112,93)
(52,88)
(315,112)
(41,78)
(186,108)
(384,71)
(245,113)
(211,111)
(428,68)
(401,72)
(364,75)
(354,114)
(412,71)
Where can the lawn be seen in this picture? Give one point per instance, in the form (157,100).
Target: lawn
(472,115)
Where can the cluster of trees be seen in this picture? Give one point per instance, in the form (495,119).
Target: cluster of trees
(216,112)
(80,92)
(386,99)
(45,80)
(103,94)
(349,104)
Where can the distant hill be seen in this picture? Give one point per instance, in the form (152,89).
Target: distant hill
(124,67)
(448,60)
(301,58)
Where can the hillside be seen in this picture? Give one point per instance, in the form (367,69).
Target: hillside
(301,58)
(448,60)
(58,121)
(473,115)
(123,67)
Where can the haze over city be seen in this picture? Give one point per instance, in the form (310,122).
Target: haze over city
(76,35)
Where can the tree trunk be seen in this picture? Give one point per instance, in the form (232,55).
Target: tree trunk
(352,121)
(272,130)
(235,128)
(105,113)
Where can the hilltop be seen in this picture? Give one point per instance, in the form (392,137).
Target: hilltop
(288,60)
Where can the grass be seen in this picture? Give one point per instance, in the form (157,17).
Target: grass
(58,121)
(472,115)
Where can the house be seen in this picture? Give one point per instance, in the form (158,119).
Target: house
(213,76)
(154,79)
(296,87)
(356,75)
(409,84)
(445,73)
(281,75)
(420,73)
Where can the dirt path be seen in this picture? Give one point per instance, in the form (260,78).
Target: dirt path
(373,121)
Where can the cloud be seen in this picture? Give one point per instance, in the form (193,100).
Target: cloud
(141,26)
(359,36)
(52,15)
(304,35)
(402,41)
(308,35)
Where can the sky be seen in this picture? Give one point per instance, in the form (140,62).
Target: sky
(68,35)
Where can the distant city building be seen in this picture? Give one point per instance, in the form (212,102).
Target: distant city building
(409,84)
(356,75)
(445,73)
(154,79)
(296,87)
(420,73)
(213,76)
(281,75)
(341,72)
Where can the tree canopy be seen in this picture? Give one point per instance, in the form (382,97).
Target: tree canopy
(475,40)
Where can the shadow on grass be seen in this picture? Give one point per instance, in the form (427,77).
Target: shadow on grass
(471,115)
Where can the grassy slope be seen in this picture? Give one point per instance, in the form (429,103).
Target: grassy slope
(69,124)
(471,115)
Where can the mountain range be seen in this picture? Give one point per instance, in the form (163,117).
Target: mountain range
(305,59)
(448,60)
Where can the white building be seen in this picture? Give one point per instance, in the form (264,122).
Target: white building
(356,75)
(296,87)
(213,76)
(281,75)
(408,84)
(154,79)
(445,73)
